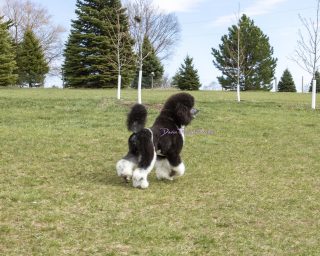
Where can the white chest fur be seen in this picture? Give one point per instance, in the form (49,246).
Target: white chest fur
(181,131)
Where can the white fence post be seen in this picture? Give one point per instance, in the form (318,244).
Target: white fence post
(314,87)
(119,87)
(139,86)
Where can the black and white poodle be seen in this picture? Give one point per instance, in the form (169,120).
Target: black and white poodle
(158,146)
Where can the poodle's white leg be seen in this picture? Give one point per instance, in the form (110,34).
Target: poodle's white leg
(179,170)
(140,175)
(163,169)
(125,169)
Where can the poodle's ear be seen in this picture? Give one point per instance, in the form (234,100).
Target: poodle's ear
(182,114)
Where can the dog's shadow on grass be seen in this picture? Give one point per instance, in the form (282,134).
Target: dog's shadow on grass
(107,177)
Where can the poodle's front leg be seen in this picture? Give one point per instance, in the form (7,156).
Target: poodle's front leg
(178,171)
(177,166)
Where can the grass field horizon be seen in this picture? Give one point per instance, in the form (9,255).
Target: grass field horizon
(252,182)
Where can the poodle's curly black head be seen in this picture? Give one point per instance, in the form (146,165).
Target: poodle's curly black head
(180,106)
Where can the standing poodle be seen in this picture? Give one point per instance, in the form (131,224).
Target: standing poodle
(158,146)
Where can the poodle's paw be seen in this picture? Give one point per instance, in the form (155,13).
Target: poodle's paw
(163,174)
(139,179)
(178,170)
(125,169)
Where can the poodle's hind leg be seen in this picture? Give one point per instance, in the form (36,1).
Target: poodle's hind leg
(125,167)
(163,169)
(140,175)
(147,159)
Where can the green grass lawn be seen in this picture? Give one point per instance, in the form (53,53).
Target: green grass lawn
(252,182)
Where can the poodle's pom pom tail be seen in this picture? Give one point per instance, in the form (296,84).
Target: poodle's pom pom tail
(137,118)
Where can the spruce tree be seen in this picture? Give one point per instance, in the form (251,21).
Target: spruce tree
(90,54)
(7,57)
(151,65)
(32,66)
(257,66)
(175,79)
(187,77)
(286,83)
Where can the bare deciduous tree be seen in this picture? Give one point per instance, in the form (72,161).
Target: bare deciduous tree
(307,53)
(162,29)
(121,40)
(148,21)
(237,57)
(27,14)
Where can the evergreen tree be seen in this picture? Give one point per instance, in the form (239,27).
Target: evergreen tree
(7,57)
(175,79)
(31,61)
(187,77)
(286,83)
(90,54)
(151,65)
(257,66)
(317,77)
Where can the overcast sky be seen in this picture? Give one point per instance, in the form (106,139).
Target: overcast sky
(203,22)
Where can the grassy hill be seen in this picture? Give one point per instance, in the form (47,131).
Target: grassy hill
(252,182)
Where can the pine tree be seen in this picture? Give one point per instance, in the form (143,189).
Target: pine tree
(7,57)
(151,65)
(31,61)
(90,54)
(187,77)
(317,77)
(175,79)
(257,66)
(286,83)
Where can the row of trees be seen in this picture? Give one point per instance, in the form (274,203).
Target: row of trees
(286,83)
(34,42)
(106,40)
(109,43)
(21,63)
(245,56)
(107,31)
